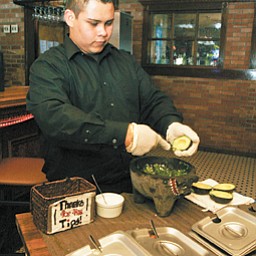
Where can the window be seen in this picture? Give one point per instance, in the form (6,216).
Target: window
(184,38)
(190,39)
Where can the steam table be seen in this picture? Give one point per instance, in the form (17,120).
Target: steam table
(183,216)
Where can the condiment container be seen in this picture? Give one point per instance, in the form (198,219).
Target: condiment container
(111,207)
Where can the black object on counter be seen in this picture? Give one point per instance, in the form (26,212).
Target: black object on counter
(1,72)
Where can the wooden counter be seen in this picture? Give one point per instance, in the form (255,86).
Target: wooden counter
(183,216)
(133,216)
(19,134)
(13,96)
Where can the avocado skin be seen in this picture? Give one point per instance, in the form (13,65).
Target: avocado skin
(221,197)
(201,189)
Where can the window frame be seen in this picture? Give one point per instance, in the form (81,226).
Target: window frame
(170,38)
(217,72)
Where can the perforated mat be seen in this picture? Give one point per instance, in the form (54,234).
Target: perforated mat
(223,168)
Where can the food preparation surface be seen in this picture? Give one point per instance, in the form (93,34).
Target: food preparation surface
(134,216)
(223,168)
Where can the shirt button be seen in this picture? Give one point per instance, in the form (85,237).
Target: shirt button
(86,140)
(87,131)
(114,141)
(112,104)
(104,83)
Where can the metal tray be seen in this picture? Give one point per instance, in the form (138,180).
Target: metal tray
(170,242)
(235,234)
(115,244)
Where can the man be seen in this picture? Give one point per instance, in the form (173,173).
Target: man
(95,105)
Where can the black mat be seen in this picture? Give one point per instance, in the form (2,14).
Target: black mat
(10,242)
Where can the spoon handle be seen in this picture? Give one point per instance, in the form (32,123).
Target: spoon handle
(98,187)
(154,228)
(95,243)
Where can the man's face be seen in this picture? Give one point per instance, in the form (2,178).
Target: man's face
(92,29)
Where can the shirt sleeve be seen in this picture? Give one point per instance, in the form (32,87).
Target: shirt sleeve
(60,121)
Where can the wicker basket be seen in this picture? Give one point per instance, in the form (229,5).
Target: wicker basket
(63,204)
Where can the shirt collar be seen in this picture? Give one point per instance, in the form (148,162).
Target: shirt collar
(72,49)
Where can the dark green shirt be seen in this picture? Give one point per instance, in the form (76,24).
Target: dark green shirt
(83,105)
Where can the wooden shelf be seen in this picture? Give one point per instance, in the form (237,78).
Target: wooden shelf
(13,96)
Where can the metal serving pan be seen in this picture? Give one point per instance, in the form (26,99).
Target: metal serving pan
(235,233)
(170,242)
(115,244)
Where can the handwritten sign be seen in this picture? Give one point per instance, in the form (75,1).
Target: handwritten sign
(71,212)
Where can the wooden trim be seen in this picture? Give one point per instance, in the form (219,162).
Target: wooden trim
(163,6)
(31,237)
(21,141)
(13,96)
(196,71)
(248,74)
(253,44)
(30,41)
(145,36)
(175,2)
(31,33)
(224,22)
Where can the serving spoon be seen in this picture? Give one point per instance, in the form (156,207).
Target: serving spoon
(96,243)
(98,187)
(154,228)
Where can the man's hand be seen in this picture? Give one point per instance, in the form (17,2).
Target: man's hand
(143,139)
(176,130)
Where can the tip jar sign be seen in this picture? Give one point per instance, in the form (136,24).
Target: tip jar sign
(70,212)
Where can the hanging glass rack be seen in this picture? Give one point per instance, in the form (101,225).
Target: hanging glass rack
(45,10)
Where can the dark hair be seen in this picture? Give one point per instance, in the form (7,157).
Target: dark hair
(77,5)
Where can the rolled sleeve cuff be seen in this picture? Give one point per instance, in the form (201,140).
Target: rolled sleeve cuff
(115,133)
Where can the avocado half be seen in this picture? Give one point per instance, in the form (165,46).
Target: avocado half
(225,187)
(201,188)
(181,143)
(220,196)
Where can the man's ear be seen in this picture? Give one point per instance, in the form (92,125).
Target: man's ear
(69,17)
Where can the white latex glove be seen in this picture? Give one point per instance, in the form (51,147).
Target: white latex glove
(144,140)
(176,130)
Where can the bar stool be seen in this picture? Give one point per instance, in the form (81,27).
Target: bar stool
(17,175)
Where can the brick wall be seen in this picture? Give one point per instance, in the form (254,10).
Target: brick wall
(12,44)
(223,112)
(239,34)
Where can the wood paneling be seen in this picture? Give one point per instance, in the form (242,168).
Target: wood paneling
(19,134)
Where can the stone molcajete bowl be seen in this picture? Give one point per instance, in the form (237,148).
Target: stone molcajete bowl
(162,179)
